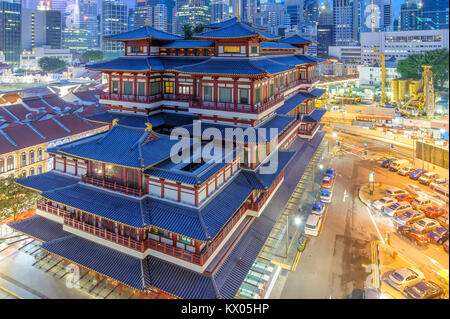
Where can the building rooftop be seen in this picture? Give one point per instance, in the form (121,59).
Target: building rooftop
(235,30)
(146,32)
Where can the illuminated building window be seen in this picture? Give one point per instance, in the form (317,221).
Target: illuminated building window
(232,49)
(137,49)
(168,87)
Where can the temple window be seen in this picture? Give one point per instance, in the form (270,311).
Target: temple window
(23,159)
(31,171)
(168,87)
(254,50)
(184,240)
(31,157)
(207,93)
(40,169)
(10,163)
(137,49)
(225,95)
(156,88)
(243,96)
(128,88)
(257,95)
(141,88)
(271,89)
(115,87)
(183,89)
(40,155)
(232,49)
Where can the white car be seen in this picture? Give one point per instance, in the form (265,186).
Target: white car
(397,208)
(381,203)
(405,277)
(404,171)
(395,191)
(438,182)
(325,196)
(414,189)
(426,225)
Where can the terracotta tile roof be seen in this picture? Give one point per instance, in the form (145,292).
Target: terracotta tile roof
(18,110)
(35,102)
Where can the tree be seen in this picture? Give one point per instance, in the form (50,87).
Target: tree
(188,30)
(14,198)
(93,55)
(411,67)
(48,64)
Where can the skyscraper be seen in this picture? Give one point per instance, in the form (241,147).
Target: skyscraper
(10,35)
(114,21)
(411,15)
(155,13)
(143,14)
(294,8)
(435,14)
(192,12)
(311,11)
(346,21)
(325,30)
(88,21)
(32,32)
(53,28)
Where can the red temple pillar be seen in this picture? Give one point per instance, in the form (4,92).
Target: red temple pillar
(197,247)
(121,84)
(124,176)
(140,179)
(65,164)
(162,187)
(196,195)
(76,167)
(103,171)
(135,86)
(235,92)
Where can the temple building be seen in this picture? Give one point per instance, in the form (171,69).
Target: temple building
(119,205)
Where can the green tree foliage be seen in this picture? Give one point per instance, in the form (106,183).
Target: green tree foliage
(48,64)
(188,30)
(93,55)
(411,67)
(14,198)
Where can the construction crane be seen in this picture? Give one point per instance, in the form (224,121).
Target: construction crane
(424,97)
(382,63)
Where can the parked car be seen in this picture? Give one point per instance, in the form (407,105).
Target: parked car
(421,202)
(325,196)
(318,209)
(327,182)
(417,173)
(405,277)
(439,181)
(416,190)
(428,178)
(387,162)
(397,208)
(438,236)
(395,191)
(443,220)
(425,225)
(408,217)
(394,166)
(312,225)
(419,238)
(403,171)
(445,246)
(424,290)
(433,211)
(381,203)
(405,198)
(330,172)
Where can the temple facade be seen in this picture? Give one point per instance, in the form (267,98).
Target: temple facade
(126,209)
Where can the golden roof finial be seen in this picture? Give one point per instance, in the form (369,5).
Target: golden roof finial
(115,121)
(149,127)
(146,23)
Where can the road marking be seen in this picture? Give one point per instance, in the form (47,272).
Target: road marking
(284,266)
(272,283)
(10,292)
(375,224)
(345,195)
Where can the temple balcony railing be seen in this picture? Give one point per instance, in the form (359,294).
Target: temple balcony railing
(146,99)
(52,209)
(311,131)
(289,130)
(256,206)
(112,186)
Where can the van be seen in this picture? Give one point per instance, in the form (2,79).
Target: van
(393,192)
(397,164)
(312,225)
(427,178)
(420,203)
(442,191)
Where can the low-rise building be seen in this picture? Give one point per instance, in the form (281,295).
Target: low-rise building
(345,53)
(29,60)
(370,75)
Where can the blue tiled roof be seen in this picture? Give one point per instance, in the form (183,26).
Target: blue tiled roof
(317,114)
(145,32)
(295,39)
(291,103)
(47,181)
(307,119)
(179,281)
(245,66)
(292,59)
(282,161)
(99,258)
(234,30)
(40,228)
(276,45)
(189,44)
(253,180)
(123,146)
(318,92)
(279,122)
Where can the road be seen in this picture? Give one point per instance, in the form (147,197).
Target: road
(334,264)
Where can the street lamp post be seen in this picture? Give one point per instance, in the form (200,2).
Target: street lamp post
(287,235)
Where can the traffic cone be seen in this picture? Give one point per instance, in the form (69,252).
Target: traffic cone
(260,293)
(264,286)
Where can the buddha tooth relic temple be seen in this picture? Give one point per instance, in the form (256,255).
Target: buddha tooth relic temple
(116,203)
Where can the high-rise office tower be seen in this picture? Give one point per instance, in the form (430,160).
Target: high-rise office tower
(382,12)
(411,15)
(435,14)
(325,37)
(143,13)
(60,5)
(130,19)
(156,13)
(114,21)
(192,12)
(10,35)
(32,32)
(346,21)
(219,10)
(294,8)
(311,11)
(53,28)
(88,21)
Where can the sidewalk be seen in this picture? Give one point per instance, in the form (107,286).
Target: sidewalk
(378,192)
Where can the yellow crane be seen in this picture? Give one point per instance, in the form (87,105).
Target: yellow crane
(382,63)
(424,97)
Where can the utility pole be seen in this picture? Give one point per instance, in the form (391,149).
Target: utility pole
(287,235)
